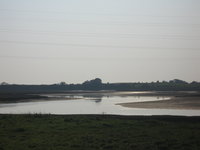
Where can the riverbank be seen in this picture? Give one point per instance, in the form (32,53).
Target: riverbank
(29,97)
(182,102)
(78,132)
(18,97)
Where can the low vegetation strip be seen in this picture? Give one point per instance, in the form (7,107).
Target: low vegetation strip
(16,97)
(96,85)
(99,132)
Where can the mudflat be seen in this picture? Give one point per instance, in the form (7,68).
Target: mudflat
(183,102)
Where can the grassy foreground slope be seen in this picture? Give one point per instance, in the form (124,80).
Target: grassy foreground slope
(93,132)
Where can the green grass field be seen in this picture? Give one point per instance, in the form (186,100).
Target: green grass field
(93,132)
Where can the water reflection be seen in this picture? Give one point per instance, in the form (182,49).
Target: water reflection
(98,100)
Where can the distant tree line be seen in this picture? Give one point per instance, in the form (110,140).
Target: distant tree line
(96,85)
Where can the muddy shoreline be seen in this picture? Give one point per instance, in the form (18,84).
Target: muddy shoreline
(184,102)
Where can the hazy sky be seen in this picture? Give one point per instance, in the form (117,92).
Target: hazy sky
(48,41)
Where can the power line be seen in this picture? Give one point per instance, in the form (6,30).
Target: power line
(97,58)
(102,35)
(97,46)
(94,13)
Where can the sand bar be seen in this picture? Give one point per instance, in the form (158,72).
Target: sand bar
(173,103)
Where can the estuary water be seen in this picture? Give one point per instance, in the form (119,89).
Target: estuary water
(90,104)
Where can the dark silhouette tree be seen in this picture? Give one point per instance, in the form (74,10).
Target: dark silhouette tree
(95,84)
